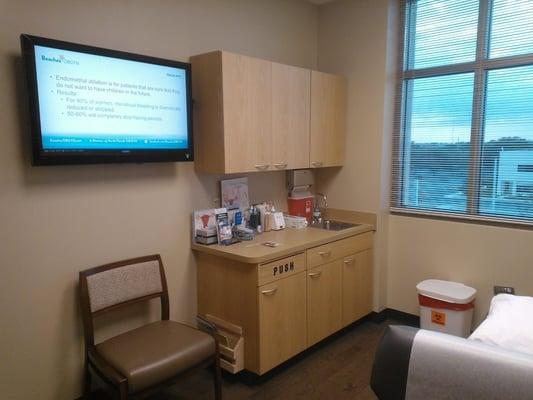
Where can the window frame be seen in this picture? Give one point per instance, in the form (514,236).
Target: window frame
(481,65)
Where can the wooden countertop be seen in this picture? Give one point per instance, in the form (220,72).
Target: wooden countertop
(290,241)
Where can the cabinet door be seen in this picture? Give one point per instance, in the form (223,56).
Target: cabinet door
(282,320)
(291,91)
(328,119)
(357,286)
(323,301)
(247,99)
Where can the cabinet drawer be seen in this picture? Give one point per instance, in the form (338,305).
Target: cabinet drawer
(281,268)
(339,249)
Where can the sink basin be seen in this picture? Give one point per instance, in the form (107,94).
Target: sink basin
(331,225)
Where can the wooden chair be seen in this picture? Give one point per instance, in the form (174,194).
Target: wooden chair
(156,353)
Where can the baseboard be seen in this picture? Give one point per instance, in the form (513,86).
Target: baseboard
(396,315)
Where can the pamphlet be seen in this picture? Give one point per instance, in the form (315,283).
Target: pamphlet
(223,225)
(204,226)
(234,194)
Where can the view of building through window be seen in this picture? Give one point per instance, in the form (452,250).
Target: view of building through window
(466,124)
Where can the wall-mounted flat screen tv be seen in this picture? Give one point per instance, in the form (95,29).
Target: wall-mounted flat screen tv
(93,105)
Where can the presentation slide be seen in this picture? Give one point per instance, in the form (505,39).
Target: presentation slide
(91,102)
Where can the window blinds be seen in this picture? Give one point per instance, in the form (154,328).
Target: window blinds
(463,140)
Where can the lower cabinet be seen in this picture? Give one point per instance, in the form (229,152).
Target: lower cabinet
(323,301)
(357,284)
(282,320)
(280,307)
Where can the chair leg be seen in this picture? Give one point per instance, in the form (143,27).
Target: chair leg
(217,377)
(123,391)
(87,380)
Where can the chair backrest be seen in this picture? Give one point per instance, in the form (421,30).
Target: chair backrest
(119,284)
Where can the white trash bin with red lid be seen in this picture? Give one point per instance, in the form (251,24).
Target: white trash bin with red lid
(446,306)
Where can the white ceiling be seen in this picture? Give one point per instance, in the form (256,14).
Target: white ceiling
(320,1)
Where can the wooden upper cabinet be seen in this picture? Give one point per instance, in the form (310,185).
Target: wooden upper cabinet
(208,112)
(247,85)
(328,119)
(256,115)
(291,103)
(232,112)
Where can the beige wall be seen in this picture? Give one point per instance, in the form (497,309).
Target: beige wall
(480,256)
(358,38)
(353,41)
(55,221)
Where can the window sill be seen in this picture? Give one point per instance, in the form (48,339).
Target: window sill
(472,219)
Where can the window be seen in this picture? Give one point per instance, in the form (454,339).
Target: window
(525,168)
(463,140)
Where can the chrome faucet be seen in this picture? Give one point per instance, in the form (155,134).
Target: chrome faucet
(317,214)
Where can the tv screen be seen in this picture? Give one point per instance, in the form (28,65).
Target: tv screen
(93,105)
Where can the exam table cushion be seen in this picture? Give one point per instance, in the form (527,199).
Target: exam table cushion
(509,324)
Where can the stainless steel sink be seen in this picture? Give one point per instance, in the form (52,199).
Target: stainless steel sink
(331,225)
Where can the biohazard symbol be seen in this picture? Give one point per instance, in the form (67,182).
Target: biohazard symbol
(438,317)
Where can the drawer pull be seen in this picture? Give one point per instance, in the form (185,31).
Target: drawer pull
(325,253)
(262,167)
(281,165)
(315,274)
(349,262)
(316,163)
(269,292)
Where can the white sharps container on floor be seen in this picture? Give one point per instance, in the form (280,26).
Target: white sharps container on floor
(446,306)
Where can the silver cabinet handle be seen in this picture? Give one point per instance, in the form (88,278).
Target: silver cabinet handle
(281,165)
(269,291)
(315,274)
(316,163)
(262,167)
(325,253)
(349,262)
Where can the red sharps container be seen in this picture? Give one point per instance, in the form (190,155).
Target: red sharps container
(301,207)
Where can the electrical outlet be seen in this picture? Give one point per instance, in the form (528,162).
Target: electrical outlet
(503,289)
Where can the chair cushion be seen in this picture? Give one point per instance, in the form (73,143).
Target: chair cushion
(156,352)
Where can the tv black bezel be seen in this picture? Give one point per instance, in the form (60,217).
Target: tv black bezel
(42,157)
